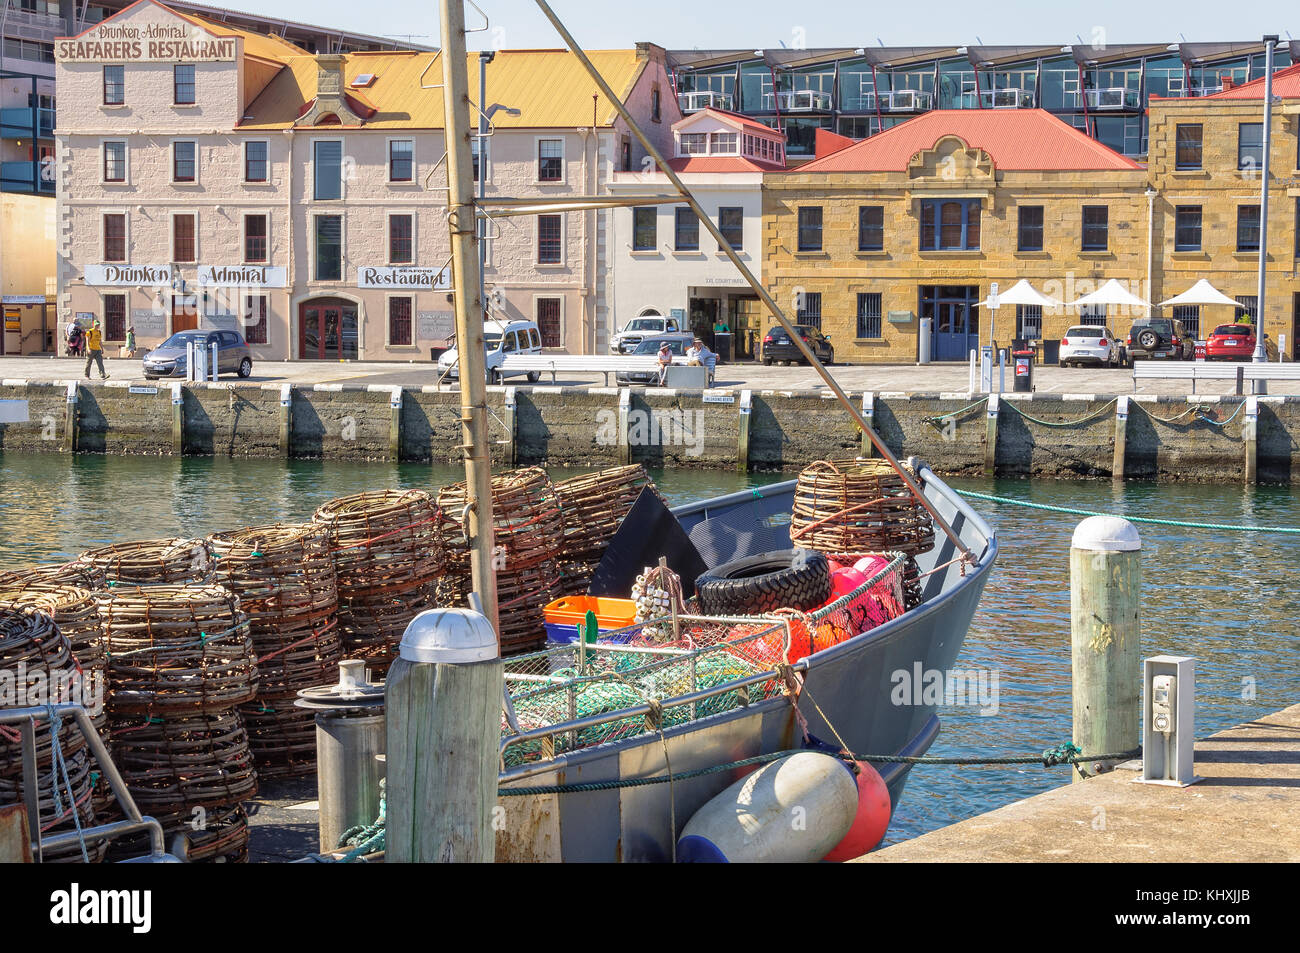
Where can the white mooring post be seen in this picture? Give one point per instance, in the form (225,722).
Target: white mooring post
(443,699)
(1105,637)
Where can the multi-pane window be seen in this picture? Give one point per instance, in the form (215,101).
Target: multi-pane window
(184,161)
(255,161)
(1029,228)
(1250,145)
(183,84)
(1247,228)
(1029,322)
(1187,147)
(644,224)
(115,237)
(686,230)
(1187,228)
(871,229)
(183,237)
(1092,315)
(1190,316)
(329,247)
(810,228)
(1096,228)
(401,160)
(1247,305)
(950,225)
(399,322)
(810,309)
(114,161)
(255,243)
(114,86)
(548,321)
(401,234)
(327,169)
(550,160)
(693,143)
(725,143)
(550,239)
(115,317)
(255,319)
(869,314)
(731,222)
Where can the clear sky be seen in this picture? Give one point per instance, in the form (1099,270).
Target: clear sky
(713,24)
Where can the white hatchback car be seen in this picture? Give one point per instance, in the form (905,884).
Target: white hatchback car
(499,339)
(1085,344)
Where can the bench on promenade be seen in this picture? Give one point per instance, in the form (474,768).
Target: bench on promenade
(586,364)
(1205,371)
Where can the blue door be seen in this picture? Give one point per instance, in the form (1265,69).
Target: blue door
(953,311)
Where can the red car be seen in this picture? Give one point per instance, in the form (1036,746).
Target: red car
(1231,342)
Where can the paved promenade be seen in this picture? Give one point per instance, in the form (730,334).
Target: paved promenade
(879,378)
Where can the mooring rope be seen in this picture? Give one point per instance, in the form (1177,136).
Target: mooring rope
(956,413)
(1063,423)
(1182,524)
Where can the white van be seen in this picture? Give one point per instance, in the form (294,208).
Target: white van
(499,339)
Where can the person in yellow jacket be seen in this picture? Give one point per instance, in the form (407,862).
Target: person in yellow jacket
(95,350)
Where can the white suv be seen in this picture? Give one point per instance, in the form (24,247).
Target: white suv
(499,339)
(625,341)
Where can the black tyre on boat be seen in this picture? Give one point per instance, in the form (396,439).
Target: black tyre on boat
(793,578)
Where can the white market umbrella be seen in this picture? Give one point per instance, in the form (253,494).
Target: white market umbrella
(1112,292)
(1022,292)
(1201,293)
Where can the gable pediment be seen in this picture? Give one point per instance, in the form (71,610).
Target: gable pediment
(951,160)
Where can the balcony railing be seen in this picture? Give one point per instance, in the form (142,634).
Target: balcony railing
(804,101)
(1113,98)
(1007,98)
(18,123)
(906,100)
(859,102)
(695,101)
(34,26)
(1199,91)
(20,177)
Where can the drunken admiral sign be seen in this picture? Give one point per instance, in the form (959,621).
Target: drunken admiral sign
(143,276)
(156,42)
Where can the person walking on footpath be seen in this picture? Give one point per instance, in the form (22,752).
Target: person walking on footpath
(130,342)
(95,350)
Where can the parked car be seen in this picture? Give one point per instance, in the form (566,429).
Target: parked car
(777,345)
(170,358)
(649,347)
(627,340)
(1160,338)
(1231,342)
(1086,344)
(499,339)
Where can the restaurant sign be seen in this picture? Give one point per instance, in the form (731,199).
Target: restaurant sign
(156,42)
(242,276)
(128,275)
(432,279)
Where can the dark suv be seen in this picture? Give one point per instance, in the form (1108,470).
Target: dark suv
(777,346)
(1162,338)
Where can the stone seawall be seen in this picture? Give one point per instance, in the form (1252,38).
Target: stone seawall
(1209,439)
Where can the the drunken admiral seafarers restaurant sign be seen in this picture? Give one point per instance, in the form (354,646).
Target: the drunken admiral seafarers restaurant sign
(156,42)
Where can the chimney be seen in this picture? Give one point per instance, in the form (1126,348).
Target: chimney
(330,99)
(1227,81)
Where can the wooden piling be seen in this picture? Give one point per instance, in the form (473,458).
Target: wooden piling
(624,415)
(443,700)
(1105,645)
(991,435)
(869,414)
(178,419)
(742,439)
(286,418)
(70,419)
(1121,438)
(510,452)
(1249,429)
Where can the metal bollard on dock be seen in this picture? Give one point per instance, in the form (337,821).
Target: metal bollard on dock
(1105,637)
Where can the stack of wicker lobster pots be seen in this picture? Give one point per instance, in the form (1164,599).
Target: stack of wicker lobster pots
(851,508)
(38,664)
(388,556)
(529,538)
(180,666)
(593,506)
(284,577)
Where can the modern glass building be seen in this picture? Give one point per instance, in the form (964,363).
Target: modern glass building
(1102,90)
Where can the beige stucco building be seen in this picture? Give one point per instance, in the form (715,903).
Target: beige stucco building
(213,177)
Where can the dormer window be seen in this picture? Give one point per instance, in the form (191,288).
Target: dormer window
(693,144)
(723,143)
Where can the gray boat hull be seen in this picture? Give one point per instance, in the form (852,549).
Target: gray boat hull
(852,683)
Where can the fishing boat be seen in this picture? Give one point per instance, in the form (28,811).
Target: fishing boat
(849,685)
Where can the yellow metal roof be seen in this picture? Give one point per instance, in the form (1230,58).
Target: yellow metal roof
(550,88)
(255,44)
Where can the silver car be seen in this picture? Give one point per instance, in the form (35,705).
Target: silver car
(649,347)
(169,358)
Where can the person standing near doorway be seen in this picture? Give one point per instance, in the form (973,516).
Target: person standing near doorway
(130,342)
(95,350)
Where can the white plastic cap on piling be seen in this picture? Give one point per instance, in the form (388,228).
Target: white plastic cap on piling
(1106,534)
(449,636)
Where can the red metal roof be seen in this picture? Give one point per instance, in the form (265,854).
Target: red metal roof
(1021,139)
(826,142)
(1286,85)
(743,120)
(723,164)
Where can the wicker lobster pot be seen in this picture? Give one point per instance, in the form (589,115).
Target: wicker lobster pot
(152,562)
(388,556)
(56,816)
(176,650)
(75,573)
(529,532)
(281,737)
(593,506)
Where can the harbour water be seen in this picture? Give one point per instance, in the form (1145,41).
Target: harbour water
(1229,599)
